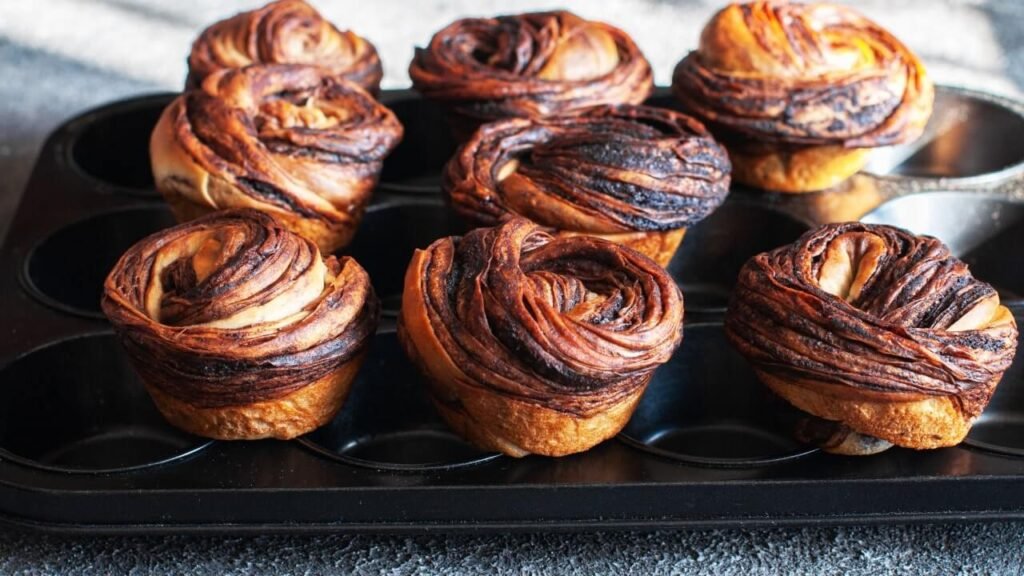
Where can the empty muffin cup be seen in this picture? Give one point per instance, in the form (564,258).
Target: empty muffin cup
(387,237)
(970,136)
(982,230)
(712,253)
(77,406)
(388,421)
(707,407)
(66,270)
(110,145)
(416,164)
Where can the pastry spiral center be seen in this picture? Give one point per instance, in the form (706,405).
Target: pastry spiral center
(850,261)
(911,284)
(222,279)
(553,47)
(586,52)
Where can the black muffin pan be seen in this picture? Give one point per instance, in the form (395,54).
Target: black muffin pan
(82,448)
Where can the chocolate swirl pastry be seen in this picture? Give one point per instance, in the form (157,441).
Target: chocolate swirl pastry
(238,328)
(799,93)
(528,65)
(286,139)
(634,175)
(533,343)
(879,330)
(284,32)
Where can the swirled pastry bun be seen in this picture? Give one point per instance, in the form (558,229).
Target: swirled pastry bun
(635,175)
(289,140)
(240,329)
(534,344)
(284,32)
(800,93)
(528,65)
(877,329)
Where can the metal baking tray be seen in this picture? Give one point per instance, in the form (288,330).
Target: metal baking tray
(82,449)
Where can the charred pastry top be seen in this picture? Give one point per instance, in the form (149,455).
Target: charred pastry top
(290,137)
(609,169)
(804,74)
(284,32)
(572,324)
(231,309)
(530,65)
(872,312)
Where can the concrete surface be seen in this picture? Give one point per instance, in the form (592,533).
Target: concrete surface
(62,56)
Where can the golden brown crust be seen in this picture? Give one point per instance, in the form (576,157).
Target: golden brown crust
(529,65)
(797,170)
(287,140)
(524,428)
(284,32)
(633,174)
(658,246)
(533,343)
(876,328)
(776,75)
(284,418)
(239,326)
(921,424)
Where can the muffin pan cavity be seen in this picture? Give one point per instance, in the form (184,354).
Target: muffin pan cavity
(387,238)
(415,166)
(111,145)
(969,136)
(77,406)
(388,422)
(707,407)
(712,252)
(66,270)
(983,230)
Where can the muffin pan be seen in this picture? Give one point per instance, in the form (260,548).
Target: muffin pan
(82,448)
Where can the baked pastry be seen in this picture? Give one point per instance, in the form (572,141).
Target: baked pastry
(238,328)
(290,140)
(284,32)
(877,329)
(799,93)
(634,175)
(528,65)
(534,344)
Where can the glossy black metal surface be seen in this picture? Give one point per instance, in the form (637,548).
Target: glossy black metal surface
(706,407)
(76,406)
(388,421)
(704,448)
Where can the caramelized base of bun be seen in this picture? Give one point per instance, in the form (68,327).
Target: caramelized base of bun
(659,246)
(520,428)
(933,422)
(302,411)
(798,170)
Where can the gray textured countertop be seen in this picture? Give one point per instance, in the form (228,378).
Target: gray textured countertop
(63,56)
